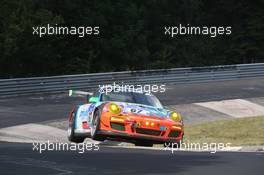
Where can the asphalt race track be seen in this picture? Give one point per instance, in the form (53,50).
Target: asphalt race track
(17,158)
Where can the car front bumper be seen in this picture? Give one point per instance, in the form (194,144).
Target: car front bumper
(119,136)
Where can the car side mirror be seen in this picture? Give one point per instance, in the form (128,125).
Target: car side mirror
(93,99)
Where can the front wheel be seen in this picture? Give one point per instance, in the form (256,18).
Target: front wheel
(95,128)
(70,132)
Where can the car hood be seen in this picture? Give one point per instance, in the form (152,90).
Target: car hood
(142,110)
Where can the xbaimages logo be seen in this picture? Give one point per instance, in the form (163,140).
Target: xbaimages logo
(59,146)
(212,31)
(193,146)
(146,88)
(80,31)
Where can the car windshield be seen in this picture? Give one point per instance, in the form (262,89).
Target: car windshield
(132,97)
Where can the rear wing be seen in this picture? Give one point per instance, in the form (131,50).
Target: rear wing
(79,93)
(76,93)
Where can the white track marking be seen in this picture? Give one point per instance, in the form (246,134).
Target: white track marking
(229,149)
(235,108)
(29,133)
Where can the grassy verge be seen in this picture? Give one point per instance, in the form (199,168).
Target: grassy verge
(241,131)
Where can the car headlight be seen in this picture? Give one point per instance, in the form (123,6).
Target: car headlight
(175,116)
(114,108)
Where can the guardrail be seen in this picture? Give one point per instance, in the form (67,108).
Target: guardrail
(54,84)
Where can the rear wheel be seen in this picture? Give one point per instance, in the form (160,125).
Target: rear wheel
(71,135)
(146,144)
(95,128)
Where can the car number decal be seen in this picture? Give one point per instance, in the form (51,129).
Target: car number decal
(135,111)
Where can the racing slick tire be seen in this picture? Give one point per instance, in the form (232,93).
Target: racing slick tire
(146,144)
(95,127)
(71,135)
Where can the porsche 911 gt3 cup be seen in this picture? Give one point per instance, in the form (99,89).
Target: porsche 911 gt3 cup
(134,117)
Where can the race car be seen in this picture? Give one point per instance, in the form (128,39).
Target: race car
(134,117)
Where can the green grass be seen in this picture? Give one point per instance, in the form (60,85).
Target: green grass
(241,131)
